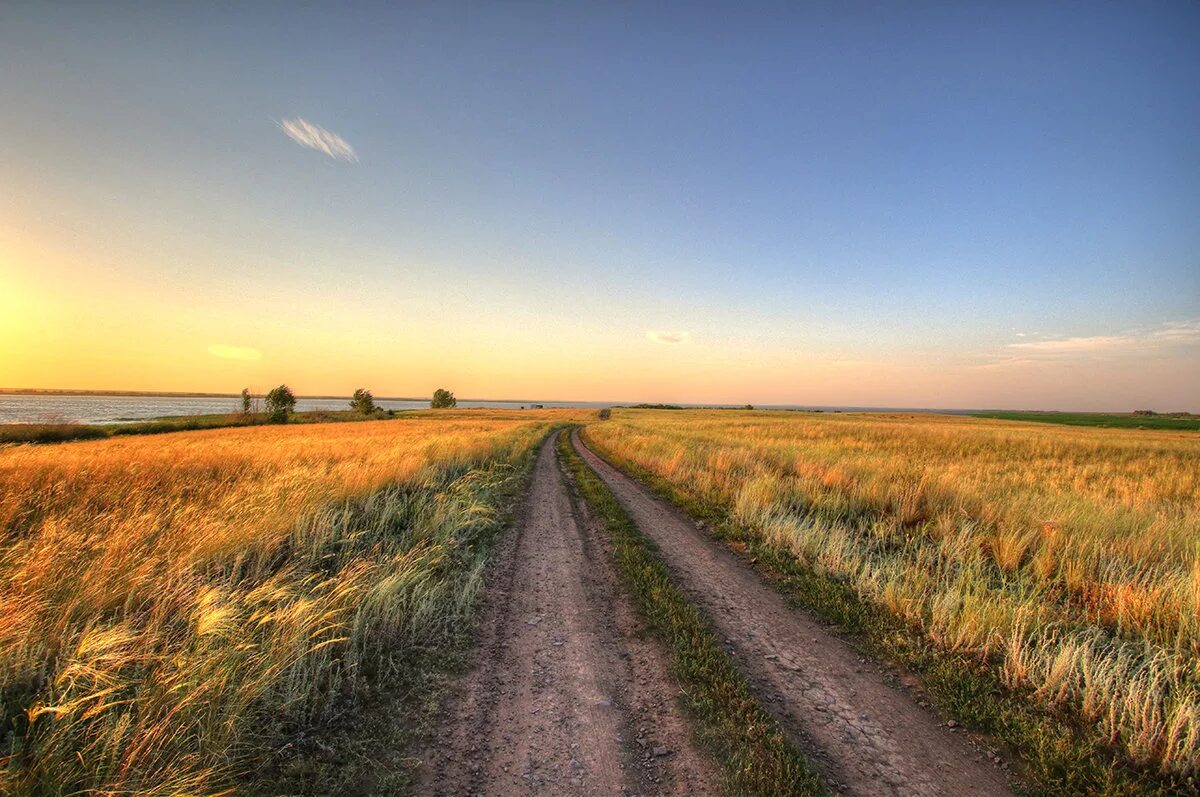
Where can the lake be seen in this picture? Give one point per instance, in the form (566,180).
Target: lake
(22,408)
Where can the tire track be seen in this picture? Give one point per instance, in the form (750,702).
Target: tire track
(869,738)
(566,698)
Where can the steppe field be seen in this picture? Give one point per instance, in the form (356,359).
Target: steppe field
(1062,559)
(179,608)
(664,602)
(599,399)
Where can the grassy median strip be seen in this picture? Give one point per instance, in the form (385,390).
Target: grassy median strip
(1058,756)
(744,739)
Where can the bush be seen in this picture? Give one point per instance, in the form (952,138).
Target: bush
(363,402)
(443,399)
(281,402)
(48,432)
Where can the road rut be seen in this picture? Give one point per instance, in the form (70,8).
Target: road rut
(870,738)
(567,697)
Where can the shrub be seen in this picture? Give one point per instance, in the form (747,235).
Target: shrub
(363,402)
(281,401)
(443,399)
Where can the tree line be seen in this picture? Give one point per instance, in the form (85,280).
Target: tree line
(280,402)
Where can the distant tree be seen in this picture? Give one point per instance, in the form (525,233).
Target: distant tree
(363,402)
(245,401)
(443,399)
(748,407)
(281,401)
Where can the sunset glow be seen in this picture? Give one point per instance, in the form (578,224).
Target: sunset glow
(334,239)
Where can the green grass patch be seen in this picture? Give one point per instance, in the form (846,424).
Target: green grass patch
(1057,756)
(64,432)
(730,723)
(1178,420)
(185,423)
(48,432)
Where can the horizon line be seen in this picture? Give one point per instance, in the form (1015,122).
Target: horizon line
(686,405)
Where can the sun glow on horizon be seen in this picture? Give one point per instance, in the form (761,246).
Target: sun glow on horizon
(657,227)
(65,324)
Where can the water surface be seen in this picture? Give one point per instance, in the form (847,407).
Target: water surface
(22,408)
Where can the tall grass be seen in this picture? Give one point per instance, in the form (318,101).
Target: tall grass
(1065,558)
(171,603)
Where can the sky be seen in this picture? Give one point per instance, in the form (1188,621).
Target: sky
(990,205)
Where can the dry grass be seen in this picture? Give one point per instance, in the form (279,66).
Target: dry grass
(1065,557)
(169,601)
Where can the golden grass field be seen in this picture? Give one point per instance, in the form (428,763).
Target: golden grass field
(1065,557)
(169,600)
(177,606)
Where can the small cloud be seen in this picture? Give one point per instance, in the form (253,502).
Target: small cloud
(306,134)
(668,337)
(227,352)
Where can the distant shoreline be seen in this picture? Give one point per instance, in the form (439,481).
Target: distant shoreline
(10,391)
(42,391)
(37,391)
(15,391)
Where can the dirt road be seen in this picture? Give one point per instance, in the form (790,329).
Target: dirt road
(566,698)
(868,737)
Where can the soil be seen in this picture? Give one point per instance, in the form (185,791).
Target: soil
(865,732)
(567,696)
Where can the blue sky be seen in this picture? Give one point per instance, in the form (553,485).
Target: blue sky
(928,204)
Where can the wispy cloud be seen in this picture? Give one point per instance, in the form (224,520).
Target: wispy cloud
(1139,341)
(1171,333)
(1178,332)
(306,134)
(668,336)
(228,352)
(1072,345)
